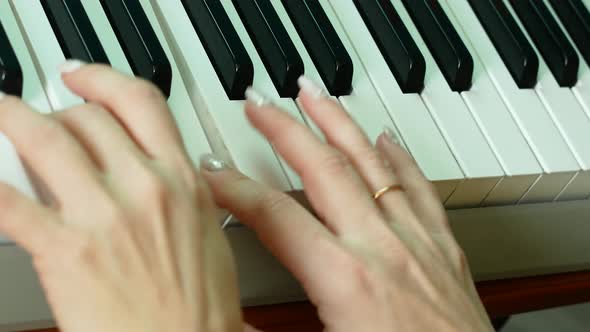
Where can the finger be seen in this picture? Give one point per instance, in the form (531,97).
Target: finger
(218,265)
(102,136)
(288,230)
(137,104)
(329,179)
(421,193)
(343,133)
(27,223)
(49,149)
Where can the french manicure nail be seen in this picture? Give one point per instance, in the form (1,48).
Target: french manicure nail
(256,97)
(310,87)
(390,135)
(70,65)
(212,163)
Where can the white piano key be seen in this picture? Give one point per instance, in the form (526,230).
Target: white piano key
(551,150)
(13,173)
(12,170)
(417,128)
(229,132)
(505,138)
(468,144)
(581,91)
(363,104)
(45,51)
(582,88)
(183,111)
(100,22)
(308,65)
(33,92)
(571,120)
(262,82)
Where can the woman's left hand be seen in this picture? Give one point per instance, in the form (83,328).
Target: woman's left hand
(130,241)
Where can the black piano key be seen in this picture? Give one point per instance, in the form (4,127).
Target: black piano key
(279,55)
(395,43)
(323,44)
(559,54)
(510,42)
(11,75)
(222,44)
(139,42)
(74,31)
(447,48)
(575,18)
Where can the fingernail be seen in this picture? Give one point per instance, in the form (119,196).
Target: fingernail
(390,135)
(310,87)
(70,65)
(212,163)
(256,97)
(2,95)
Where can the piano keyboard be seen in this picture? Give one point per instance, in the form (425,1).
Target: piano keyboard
(491,98)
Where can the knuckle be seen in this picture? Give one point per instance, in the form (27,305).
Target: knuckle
(402,264)
(145,90)
(284,130)
(50,133)
(153,188)
(273,203)
(118,226)
(238,185)
(65,115)
(190,178)
(83,250)
(364,281)
(372,158)
(336,164)
(77,113)
(179,166)
(402,260)
(113,216)
(94,109)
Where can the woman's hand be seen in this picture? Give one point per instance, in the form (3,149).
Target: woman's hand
(386,264)
(130,241)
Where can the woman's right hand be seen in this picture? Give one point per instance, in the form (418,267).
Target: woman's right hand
(386,264)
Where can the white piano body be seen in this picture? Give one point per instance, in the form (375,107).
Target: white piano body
(518,206)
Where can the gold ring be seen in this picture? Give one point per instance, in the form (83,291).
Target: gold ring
(380,192)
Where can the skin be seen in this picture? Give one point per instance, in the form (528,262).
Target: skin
(151,257)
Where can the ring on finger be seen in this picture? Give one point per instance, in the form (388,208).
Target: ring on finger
(386,189)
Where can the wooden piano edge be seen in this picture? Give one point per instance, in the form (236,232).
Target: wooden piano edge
(500,297)
(501,230)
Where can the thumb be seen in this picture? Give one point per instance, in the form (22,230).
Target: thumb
(275,217)
(251,202)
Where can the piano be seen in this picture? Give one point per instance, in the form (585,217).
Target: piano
(490,97)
